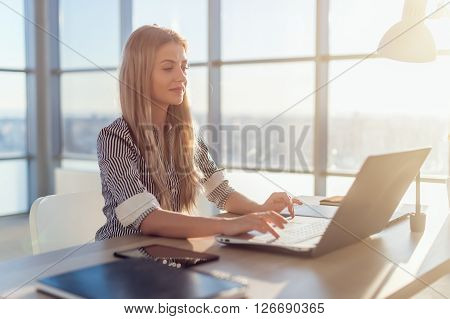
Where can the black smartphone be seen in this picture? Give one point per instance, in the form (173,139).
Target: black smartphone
(170,256)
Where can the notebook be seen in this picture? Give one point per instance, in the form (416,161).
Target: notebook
(139,279)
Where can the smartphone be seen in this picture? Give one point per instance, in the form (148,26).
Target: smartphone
(170,256)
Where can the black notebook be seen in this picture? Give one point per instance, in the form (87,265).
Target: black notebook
(138,279)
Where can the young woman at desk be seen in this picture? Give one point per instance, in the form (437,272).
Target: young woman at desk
(151,163)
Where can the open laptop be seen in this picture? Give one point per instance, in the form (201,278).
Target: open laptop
(364,211)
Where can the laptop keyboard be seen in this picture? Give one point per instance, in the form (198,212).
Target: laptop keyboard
(295,232)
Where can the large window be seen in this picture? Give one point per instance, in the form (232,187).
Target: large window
(89,32)
(258,79)
(88,103)
(267,67)
(268,64)
(385,106)
(252,95)
(89,55)
(357,26)
(257,29)
(379,105)
(12,54)
(13,109)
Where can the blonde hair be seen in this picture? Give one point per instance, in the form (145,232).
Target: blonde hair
(136,104)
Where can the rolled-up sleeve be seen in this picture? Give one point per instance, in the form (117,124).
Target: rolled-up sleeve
(215,185)
(121,178)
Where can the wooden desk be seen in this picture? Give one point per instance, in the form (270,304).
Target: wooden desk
(395,263)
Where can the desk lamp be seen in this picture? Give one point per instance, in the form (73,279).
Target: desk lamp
(409,40)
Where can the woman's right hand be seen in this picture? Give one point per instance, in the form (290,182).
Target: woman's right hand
(261,221)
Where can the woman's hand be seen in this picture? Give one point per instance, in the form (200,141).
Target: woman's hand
(261,222)
(278,201)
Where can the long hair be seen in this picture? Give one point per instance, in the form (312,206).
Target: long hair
(136,104)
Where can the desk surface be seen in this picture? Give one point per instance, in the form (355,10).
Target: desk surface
(393,263)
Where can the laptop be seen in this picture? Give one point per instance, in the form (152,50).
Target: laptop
(365,210)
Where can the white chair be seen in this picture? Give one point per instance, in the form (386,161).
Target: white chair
(203,207)
(76,180)
(61,221)
(73,180)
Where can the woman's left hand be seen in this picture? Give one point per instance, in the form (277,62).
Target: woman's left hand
(279,201)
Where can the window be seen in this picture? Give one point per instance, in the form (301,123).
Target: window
(14,197)
(12,54)
(13,109)
(385,106)
(267,29)
(197,89)
(268,182)
(13,114)
(88,103)
(267,64)
(380,105)
(89,94)
(253,95)
(89,31)
(356,26)
(254,91)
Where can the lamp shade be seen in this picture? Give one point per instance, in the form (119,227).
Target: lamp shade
(415,45)
(409,40)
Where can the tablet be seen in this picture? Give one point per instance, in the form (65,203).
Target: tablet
(170,256)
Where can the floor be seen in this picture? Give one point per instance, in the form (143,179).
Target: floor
(15,242)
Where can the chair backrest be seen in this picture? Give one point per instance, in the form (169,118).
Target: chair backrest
(61,221)
(76,180)
(72,216)
(203,207)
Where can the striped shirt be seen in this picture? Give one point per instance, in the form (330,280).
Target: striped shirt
(128,189)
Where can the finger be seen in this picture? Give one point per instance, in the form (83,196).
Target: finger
(263,227)
(289,204)
(282,198)
(260,225)
(275,218)
(297,201)
(276,195)
(291,210)
(271,230)
(279,196)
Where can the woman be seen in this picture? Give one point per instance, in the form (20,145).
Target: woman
(152,165)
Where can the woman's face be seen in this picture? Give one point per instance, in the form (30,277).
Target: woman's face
(169,74)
